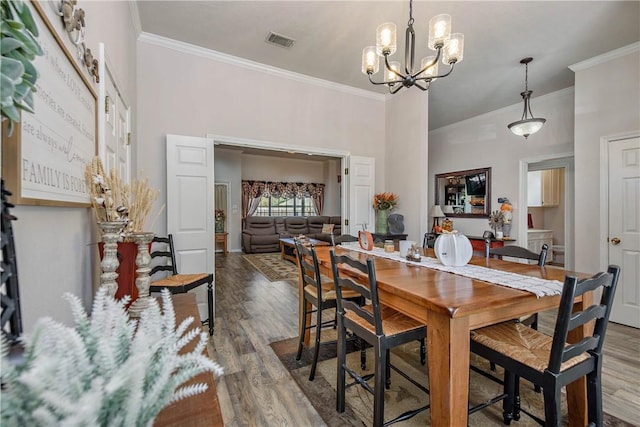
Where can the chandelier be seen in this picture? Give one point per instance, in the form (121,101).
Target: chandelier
(526,126)
(449,46)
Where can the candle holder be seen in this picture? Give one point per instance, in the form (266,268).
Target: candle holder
(143,280)
(110,231)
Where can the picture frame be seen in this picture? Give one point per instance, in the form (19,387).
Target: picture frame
(44,160)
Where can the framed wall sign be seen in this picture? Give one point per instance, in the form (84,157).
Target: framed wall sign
(44,160)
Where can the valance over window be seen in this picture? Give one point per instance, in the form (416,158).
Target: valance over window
(253,191)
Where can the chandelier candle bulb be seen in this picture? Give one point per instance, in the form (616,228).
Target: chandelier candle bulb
(386,39)
(432,71)
(439,30)
(453,49)
(370,61)
(389,74)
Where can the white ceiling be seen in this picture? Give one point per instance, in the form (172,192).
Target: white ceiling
(330,36)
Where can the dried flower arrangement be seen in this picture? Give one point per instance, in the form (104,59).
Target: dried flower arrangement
(220,215)
(384,201)
(113,200)
(106,370)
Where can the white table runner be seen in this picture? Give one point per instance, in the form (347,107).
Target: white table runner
(535,285)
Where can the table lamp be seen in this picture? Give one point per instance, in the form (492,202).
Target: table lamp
(436,212)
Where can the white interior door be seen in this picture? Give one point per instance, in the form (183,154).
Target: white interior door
(624,228)
(190,205)
(113,122)
(361,185)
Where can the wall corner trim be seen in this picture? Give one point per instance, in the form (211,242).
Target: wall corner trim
(605,57)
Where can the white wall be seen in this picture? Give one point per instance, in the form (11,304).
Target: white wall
(485,141)
(195,93)
(407,168)
(607,103)
(55,246)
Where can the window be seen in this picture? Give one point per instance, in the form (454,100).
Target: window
(283,206)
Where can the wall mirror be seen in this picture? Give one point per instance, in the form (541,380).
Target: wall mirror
(464,193)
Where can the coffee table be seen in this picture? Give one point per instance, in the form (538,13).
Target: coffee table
(288,248)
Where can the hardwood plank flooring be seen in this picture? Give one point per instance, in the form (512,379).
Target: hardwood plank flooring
(257,390)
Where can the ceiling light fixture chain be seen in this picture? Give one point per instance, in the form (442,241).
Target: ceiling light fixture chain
(526,125)
(448,46)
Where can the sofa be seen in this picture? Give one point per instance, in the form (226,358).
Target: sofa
(263,233)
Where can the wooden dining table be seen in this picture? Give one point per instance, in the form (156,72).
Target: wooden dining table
(451,306)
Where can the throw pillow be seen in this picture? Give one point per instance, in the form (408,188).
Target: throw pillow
(327,228)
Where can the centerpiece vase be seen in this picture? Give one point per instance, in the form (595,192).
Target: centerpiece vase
(219,225)
(382,221)
(143,280)
(110,231)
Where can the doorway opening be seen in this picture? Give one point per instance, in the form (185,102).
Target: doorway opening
(548,204)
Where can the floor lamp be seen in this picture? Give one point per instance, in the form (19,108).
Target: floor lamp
(436,213)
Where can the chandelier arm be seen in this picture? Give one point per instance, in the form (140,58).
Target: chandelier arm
(393,90)
(425,88)
(386,64)
(440,76)
(435,61)
(381,83)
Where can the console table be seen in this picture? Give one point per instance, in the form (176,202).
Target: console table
(222,238)
(477,242)
(380,238)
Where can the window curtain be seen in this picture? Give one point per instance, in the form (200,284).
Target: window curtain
(253,191)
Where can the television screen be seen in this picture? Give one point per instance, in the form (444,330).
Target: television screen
(476,184)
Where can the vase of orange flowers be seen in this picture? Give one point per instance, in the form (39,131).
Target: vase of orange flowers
(382,204)
(220,217)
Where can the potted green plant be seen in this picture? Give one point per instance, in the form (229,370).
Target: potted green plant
(19,48)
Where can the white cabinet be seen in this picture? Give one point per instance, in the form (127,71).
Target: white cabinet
(543,187)
(537,238)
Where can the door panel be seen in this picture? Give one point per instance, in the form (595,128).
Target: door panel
(190,207)
(624,228)
(361,179)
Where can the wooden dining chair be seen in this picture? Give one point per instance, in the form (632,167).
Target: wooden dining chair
(550,361)
(322,296)
(162,249)
(380,326)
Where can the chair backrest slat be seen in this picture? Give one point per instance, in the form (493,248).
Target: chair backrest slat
(514,251)
(167,253)
(567,321)
(310,271)
(364,284)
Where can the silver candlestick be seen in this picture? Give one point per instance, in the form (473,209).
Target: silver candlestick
(143,280)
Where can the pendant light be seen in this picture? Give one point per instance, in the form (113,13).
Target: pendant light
(526,125)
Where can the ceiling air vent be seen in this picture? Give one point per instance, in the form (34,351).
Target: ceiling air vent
(279,40)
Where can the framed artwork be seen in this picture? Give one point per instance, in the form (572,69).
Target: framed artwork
(44,160)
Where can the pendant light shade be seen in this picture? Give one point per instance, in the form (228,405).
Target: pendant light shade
(527,125)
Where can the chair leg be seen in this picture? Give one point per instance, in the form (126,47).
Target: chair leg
(210,306)
(303,329)
(516,398)
(387,370)
(552,409)
(342,356)
(423,352)
(594,397)
(363,354)
(380,379)
(316,349)
(507,403)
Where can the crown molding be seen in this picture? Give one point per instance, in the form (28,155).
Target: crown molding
(252,65)
(135,17)
(605,57)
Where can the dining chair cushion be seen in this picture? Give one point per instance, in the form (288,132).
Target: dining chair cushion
(393,322)
(521,343)
(179,280)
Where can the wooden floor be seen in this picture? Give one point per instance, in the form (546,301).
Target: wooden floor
(256,389)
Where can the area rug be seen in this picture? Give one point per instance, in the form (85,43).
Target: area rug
(272,266)
(402,395)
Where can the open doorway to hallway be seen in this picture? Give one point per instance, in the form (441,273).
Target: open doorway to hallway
(549,187)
